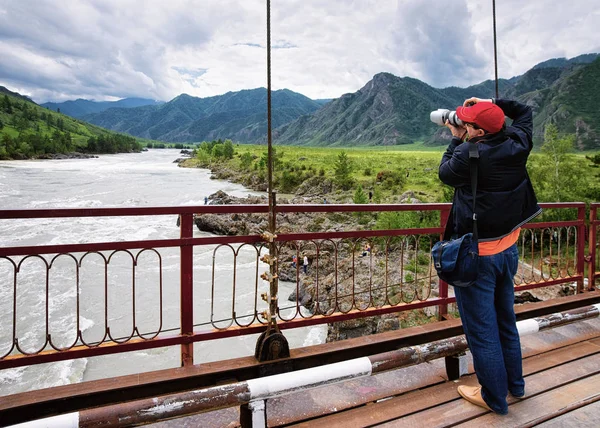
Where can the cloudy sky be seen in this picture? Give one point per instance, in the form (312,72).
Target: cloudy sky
(110,49)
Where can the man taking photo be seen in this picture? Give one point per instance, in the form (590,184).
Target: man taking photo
(505,201)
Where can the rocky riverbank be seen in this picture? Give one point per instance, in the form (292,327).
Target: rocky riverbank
(358,277)
(72,155)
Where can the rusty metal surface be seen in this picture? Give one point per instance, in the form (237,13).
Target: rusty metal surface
(418,354)
(151,410)
(223,418)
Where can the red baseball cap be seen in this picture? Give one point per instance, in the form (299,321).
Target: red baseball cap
(488,116)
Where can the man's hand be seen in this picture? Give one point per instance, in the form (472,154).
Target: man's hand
(475,100)
(457,131)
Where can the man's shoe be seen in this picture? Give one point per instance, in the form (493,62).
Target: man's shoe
(473,395)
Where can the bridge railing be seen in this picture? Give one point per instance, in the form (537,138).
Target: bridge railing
(79,300)
(593,257)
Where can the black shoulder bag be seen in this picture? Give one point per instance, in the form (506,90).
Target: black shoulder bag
(455,260)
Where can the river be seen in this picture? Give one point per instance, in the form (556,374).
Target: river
(123,180)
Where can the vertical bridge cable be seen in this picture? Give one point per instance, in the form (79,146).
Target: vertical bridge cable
(271,344)
(269,142)
(272,246)
(495,50)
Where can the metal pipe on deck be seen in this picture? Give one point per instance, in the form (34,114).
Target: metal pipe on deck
(255,390)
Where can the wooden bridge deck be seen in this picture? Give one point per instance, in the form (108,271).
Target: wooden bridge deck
(562,368)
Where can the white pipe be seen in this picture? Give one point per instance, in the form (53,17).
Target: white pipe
(285,383)
(526,327)
(69,420)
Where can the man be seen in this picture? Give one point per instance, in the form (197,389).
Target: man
(505,201)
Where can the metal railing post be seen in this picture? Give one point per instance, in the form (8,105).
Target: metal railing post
(186,284)
(580,247)
(592,247)
(442,285)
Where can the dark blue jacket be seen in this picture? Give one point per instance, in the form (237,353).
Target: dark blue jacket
(505,196)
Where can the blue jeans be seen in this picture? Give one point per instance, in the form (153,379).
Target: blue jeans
(488,318)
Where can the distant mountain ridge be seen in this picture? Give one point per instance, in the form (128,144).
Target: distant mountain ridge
(388,110)
(563,62)
(80,107)
(240,116)
(392,110)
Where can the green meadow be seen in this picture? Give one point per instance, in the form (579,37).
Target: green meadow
(558,173)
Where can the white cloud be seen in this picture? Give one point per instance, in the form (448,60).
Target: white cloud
(106,49)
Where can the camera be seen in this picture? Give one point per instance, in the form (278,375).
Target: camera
(441,115)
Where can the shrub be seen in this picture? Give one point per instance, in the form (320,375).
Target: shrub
(390,179)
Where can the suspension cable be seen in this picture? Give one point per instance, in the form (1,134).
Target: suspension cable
(495,49)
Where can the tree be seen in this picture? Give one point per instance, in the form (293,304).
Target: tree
(6,105)
(342,171)
(218,150)
(360,197)
(246,160)
(7,142)
(558,172)
(377,196)
(228,149)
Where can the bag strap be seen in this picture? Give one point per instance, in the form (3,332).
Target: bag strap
(473,163)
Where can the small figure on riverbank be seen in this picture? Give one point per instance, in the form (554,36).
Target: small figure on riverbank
(205,200)
(367,250)
(305,264)
(294,261)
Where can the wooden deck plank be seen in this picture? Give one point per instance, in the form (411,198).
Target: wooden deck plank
(584,417)
(336,398)
(462,413)
(536,409)
(435,396)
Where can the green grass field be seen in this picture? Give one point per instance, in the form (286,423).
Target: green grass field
(393,170)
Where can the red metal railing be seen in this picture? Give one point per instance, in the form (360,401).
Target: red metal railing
(593,258)
(395,274)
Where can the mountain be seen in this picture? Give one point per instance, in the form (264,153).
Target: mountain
(28,130)
(391,110)
(6,91)
(81,107)
(572,103)
(563,62)
(388,110)
(240,116)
